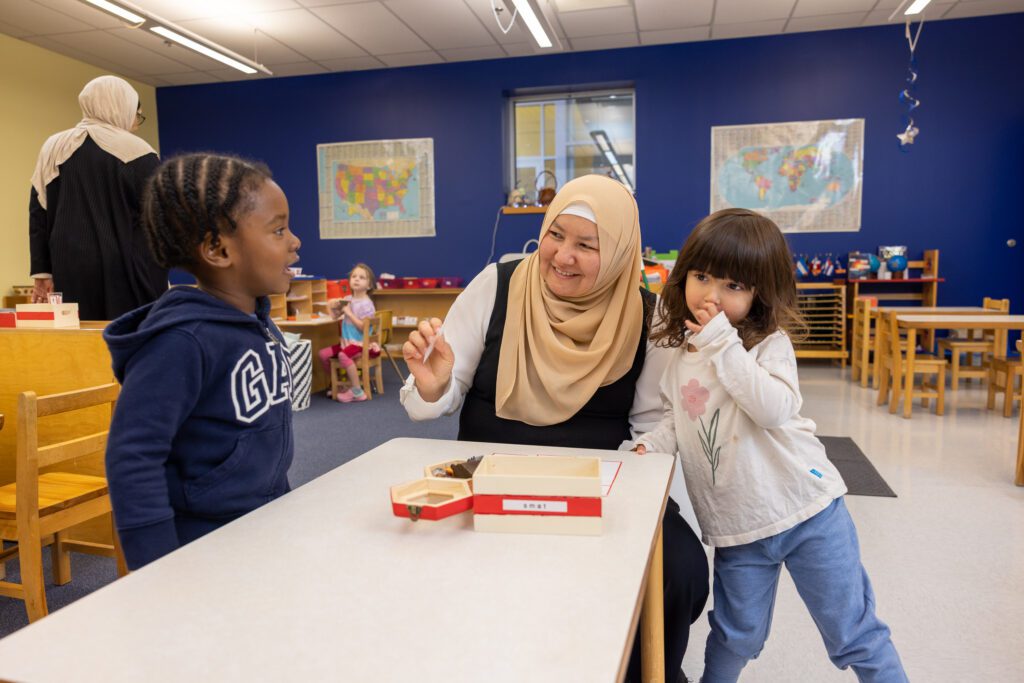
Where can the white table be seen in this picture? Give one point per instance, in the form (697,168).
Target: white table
(325,584)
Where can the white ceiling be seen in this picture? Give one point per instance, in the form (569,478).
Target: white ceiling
(294,37)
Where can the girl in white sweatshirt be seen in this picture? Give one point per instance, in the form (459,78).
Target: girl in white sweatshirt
(762,488)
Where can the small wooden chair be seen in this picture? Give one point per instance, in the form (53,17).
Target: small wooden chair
(863,340)
(386,330)
(1011,369)
(892,366)
(980,343)
(40,508)
(366,363)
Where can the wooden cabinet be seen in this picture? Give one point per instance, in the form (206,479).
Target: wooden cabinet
(823,306)
(418,303)
(305,298)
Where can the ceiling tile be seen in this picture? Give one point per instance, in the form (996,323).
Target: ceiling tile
(245,40)
(751,11)
(756,28)
(812,8)
(85,13)
(307,34)
(298,69)
(353,63)
(444,24)
(597,22)
(104,43)
(411,58)
(606,42)
(373,27)
(239,10)
(13,31)
(825,22)
(980,8)
(37,19)
(466,54)
(675,35)
(519,49)
(659,15)
(82,56)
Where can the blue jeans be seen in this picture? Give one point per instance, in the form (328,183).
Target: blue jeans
(823,557)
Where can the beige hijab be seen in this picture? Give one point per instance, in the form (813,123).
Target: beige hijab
(555,353)
(108,107)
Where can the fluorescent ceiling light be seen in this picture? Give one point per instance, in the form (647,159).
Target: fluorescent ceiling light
(121,12)
(536,22)
(600,138)
(202,49)
(139,17)
(917,6)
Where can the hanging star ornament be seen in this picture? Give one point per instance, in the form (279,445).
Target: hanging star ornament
(907,136)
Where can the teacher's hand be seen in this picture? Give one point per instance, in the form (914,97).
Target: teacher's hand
(432,374)
(41,290)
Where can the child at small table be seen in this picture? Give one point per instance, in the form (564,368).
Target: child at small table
(353,312)
(202,433)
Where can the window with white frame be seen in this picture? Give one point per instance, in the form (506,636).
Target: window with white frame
(558,137)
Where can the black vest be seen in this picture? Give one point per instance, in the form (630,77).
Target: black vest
(603,422)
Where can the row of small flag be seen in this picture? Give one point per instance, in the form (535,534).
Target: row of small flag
(816,266)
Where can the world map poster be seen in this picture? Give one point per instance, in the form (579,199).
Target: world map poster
(377,188)
(806,176)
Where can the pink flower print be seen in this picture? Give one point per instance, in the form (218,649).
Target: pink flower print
(695,398)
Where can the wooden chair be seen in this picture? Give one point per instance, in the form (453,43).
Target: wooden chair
(892,366)
(980,343)
(39,507)
(366,363)
(1011,369)
(386,330)
(863,340)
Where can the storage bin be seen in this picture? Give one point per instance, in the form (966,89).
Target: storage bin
(428,282)
(451,282)
(389,283)
(410,282)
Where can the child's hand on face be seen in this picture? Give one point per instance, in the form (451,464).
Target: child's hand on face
(704,314)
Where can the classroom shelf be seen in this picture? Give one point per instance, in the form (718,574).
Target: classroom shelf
(823,306)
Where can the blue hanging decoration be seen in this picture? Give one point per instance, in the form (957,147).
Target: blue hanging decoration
(906,96)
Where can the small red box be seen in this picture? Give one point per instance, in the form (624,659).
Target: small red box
(8,318)
(410,282)
(428,282)
(431,498)
(389,283)
(451,282)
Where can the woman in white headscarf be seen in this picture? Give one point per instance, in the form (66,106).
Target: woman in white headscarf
(84,232)
(553,350)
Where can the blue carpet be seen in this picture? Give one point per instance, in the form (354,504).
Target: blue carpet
(327,434)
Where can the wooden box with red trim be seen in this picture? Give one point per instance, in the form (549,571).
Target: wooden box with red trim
(43,316)
(538,494)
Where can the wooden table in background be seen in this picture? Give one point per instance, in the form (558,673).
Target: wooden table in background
(362,595)
(321,332)
(913,323)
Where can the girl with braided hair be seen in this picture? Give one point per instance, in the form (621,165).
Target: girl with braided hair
(202,433)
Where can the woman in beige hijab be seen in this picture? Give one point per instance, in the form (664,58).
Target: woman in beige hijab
(84,232)
(553,350)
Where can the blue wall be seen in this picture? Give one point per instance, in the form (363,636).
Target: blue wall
(958,190)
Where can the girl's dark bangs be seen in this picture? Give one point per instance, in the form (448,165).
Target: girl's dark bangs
(723,253)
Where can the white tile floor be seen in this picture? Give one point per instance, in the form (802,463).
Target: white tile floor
(946,557)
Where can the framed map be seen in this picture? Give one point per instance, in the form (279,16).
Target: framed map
(376,188)
(806,176)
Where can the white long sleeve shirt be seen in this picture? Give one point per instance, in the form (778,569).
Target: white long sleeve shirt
(465,328)
(752,464)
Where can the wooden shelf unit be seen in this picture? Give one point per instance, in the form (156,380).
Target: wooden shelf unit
(421,303)
(304,298)
(823,306)
(926,282)
(523,209)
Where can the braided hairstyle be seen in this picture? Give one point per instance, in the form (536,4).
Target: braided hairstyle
(195,195)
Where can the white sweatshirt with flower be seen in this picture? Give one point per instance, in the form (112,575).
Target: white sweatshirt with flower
(753,466)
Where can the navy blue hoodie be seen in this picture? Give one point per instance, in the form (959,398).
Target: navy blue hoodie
(202,433)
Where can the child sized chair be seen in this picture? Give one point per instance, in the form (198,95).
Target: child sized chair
(863,339)
(40,508)
(368,361)
(983,344)
(892,367)
(1010,369)
(386,330)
